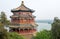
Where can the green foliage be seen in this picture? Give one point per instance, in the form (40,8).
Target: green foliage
(3,32)
(43,35)
(3,19)
(15,36)
(56,29)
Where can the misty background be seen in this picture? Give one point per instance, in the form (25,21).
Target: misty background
(44,9)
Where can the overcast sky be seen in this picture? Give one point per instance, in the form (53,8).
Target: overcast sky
(44,9)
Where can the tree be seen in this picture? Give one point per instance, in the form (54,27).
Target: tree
(3,32)
(14,35)
(55,31)
(3,19)
(43,35)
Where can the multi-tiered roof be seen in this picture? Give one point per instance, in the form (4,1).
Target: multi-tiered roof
(22,8)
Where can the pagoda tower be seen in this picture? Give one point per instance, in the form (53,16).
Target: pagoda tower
(22,21)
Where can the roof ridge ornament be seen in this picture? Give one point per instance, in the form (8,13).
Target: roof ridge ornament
(22,3)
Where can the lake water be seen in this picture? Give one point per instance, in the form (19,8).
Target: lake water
(42,26)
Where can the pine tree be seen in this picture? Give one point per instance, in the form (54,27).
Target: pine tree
(56,28)
(3,19)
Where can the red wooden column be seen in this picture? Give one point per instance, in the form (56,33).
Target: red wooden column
(32,30)
(28,30)
(16,30)
(20,31)
(21,20)
(23,31)
(29,20)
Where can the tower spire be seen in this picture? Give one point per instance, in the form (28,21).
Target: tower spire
(22,3)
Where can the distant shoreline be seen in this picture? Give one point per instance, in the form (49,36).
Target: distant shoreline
(44,21)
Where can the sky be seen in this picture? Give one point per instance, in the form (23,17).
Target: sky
(44,9)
